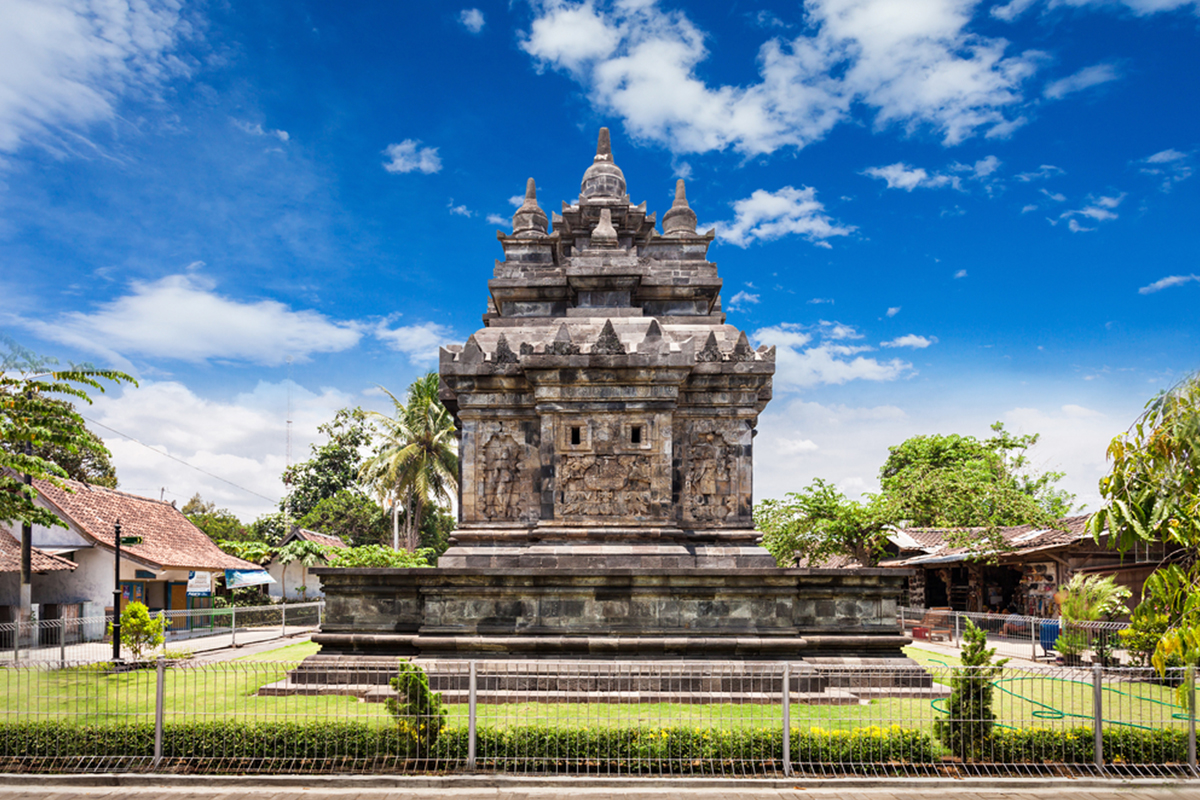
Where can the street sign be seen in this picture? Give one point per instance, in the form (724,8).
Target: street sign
(131,540)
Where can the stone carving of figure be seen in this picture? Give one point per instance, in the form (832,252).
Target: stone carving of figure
(501,470)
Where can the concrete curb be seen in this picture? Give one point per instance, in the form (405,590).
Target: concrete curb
(624,785)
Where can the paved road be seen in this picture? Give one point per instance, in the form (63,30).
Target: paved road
(47,789)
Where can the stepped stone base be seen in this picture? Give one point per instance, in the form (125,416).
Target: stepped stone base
(747,614)
(833,682)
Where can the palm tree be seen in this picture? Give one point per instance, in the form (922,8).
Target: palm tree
(418,461)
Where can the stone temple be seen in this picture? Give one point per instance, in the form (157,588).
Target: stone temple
(606,410)
(607,415)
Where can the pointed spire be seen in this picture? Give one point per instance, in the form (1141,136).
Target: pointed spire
(604,234)
(562,344)
(742,350)
(504,353)
(653,340)
(711,350)
(603,178)
(609,344)
(603,147)
(680,220)
(472,353)
(529,220)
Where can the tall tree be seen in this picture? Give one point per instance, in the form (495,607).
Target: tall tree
(334,466)
(1152,495)
(220,524)
(38,424)
(417,462)
(356,519)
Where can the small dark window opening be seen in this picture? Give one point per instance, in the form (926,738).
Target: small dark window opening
(575,436)
(635,435)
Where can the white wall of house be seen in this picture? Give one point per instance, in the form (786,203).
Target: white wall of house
(287,579)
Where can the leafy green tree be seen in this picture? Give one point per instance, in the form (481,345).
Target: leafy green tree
(87,464)
(417,708)
(140,631)
(270,528)
(819,522)
(334,466)
(374,555)
(220,524)
(1152,496)
(353,517)
(248,550)
(36,417)
(436,526)
(417,463)
(952,481)
(969,717)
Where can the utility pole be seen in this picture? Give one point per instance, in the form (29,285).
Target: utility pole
(116,623)
(26,612)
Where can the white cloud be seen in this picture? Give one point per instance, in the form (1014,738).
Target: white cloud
(794,447)
(962,273)
(741,300)
(256,129)
(419,342)
(242,439)
(409,156)
(893,311)
(902,176)
(1027,208)
(182,317)
(1015,8)
(1170,165)
(913,64)
(1011,10)
(1055,196)
(764,216)
(1099,208)
(499,219)
(1084,79)
(911,340)
(1168,282)
(817,301)
(1042,172)
(471,19)
(67,64)
(459,210)
(517,200)
(800,366)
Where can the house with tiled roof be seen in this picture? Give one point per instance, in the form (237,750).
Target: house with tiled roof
(154,571)
(1024,575)
(289,577)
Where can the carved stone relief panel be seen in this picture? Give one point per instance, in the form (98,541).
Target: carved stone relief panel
(603,485)
(714,476)
(503,474)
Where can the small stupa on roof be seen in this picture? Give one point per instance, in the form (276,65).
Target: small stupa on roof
(606,410)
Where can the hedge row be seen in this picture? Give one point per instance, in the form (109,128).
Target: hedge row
(1077,746)
(528,748)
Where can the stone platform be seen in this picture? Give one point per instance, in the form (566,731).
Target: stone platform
(767,614)
(832,682)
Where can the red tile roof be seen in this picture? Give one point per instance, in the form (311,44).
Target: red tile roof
(323,539)
(169,540)
(10,557)
(1021,538)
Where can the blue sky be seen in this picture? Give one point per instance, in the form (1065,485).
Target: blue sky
(944,213)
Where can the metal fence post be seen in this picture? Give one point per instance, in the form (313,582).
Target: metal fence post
(62,643)
(17,639)
(956,633)
(1033,639)
(233,625)
(1098,714)
(159,702)
(787,720)
(471,686)
(901,620)
(283,619)
(1191,679)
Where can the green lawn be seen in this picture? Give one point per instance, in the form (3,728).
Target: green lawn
(221,691)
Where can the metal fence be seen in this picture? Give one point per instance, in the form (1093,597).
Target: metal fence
(86,639)
(1021,636)
(597,718)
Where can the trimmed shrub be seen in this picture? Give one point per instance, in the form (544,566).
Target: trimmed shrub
(1076,746)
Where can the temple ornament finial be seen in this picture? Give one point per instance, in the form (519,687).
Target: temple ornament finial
(603,147)
(604,234)
(529,219)
(679,219)
(603,179)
